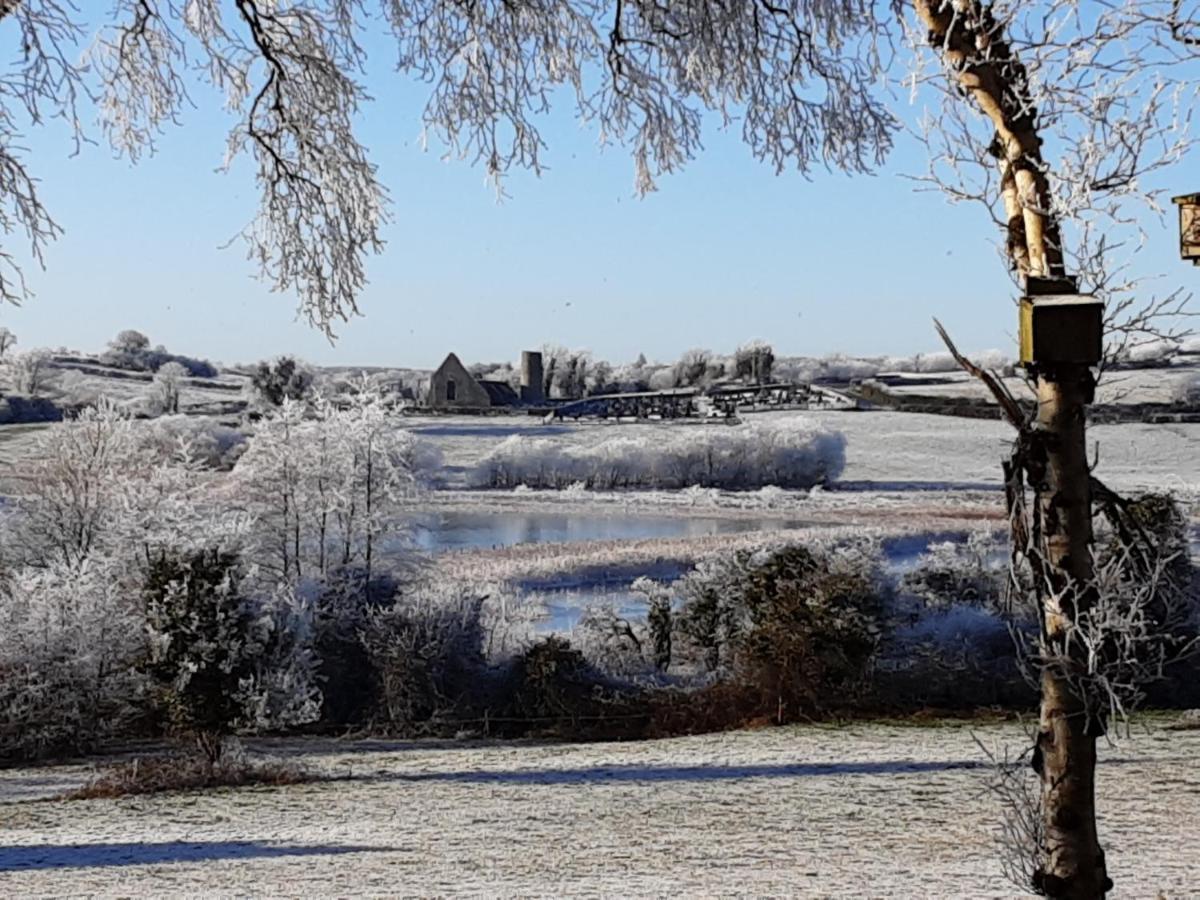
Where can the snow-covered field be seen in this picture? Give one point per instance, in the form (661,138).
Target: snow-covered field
(864,810)
(890,452)
(1151,385)
(905,450)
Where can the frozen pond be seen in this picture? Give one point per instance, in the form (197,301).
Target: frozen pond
(456,530)
(472,530)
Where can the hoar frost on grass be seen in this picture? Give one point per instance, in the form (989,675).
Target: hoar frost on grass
(789,453)
(867,810)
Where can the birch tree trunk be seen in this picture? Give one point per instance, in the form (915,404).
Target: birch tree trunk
(976,52)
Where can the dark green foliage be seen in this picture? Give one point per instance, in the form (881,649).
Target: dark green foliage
(345,671)
(282,380)
(550,680)
(811,631)
(801,627)
(754,363)
(204,639)
(709,619)
(659,621)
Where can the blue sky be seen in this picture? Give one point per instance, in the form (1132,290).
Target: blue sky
(724,251)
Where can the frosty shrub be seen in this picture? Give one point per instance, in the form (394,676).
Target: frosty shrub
(69,641)
(612,643)
(659,620)
(709,620)
(342,612)
(952,622)
(811,624)
(426,650)
(553,689)
(791,453)
(961,573)
(221,661)
(1150,594)
(212,445)
(799,626)
(203,638)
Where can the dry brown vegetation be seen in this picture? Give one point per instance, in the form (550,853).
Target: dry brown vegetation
(183,772)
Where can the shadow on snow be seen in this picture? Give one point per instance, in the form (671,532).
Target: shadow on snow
(79,856)
(639,773)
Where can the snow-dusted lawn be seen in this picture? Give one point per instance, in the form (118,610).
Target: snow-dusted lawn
(860,811)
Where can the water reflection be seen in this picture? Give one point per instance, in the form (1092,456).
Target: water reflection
(455,530)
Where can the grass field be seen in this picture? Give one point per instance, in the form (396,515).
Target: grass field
(864,810)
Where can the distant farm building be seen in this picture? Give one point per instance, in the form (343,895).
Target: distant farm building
(453,387)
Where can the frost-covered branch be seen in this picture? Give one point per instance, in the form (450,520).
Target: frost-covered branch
(800,79)
(1076,110)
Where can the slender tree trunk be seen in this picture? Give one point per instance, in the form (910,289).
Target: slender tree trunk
(370,521)
(988,71)
(1065,756)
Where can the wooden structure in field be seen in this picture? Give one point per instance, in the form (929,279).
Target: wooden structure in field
(722,401)
(679,403)
(728,399)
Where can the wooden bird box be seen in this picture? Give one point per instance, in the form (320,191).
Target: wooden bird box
(1189,227)
(1061,328)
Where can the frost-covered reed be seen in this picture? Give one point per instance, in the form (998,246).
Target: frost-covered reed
(792,453)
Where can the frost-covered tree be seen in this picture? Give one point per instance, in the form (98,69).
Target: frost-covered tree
(29,373)
(600,378)
(7,341)
(326,486)
(802,77)
(129,341)
(102,485)
(73,486)
(164,390)
(273,383)
(754,361)
(693,367)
